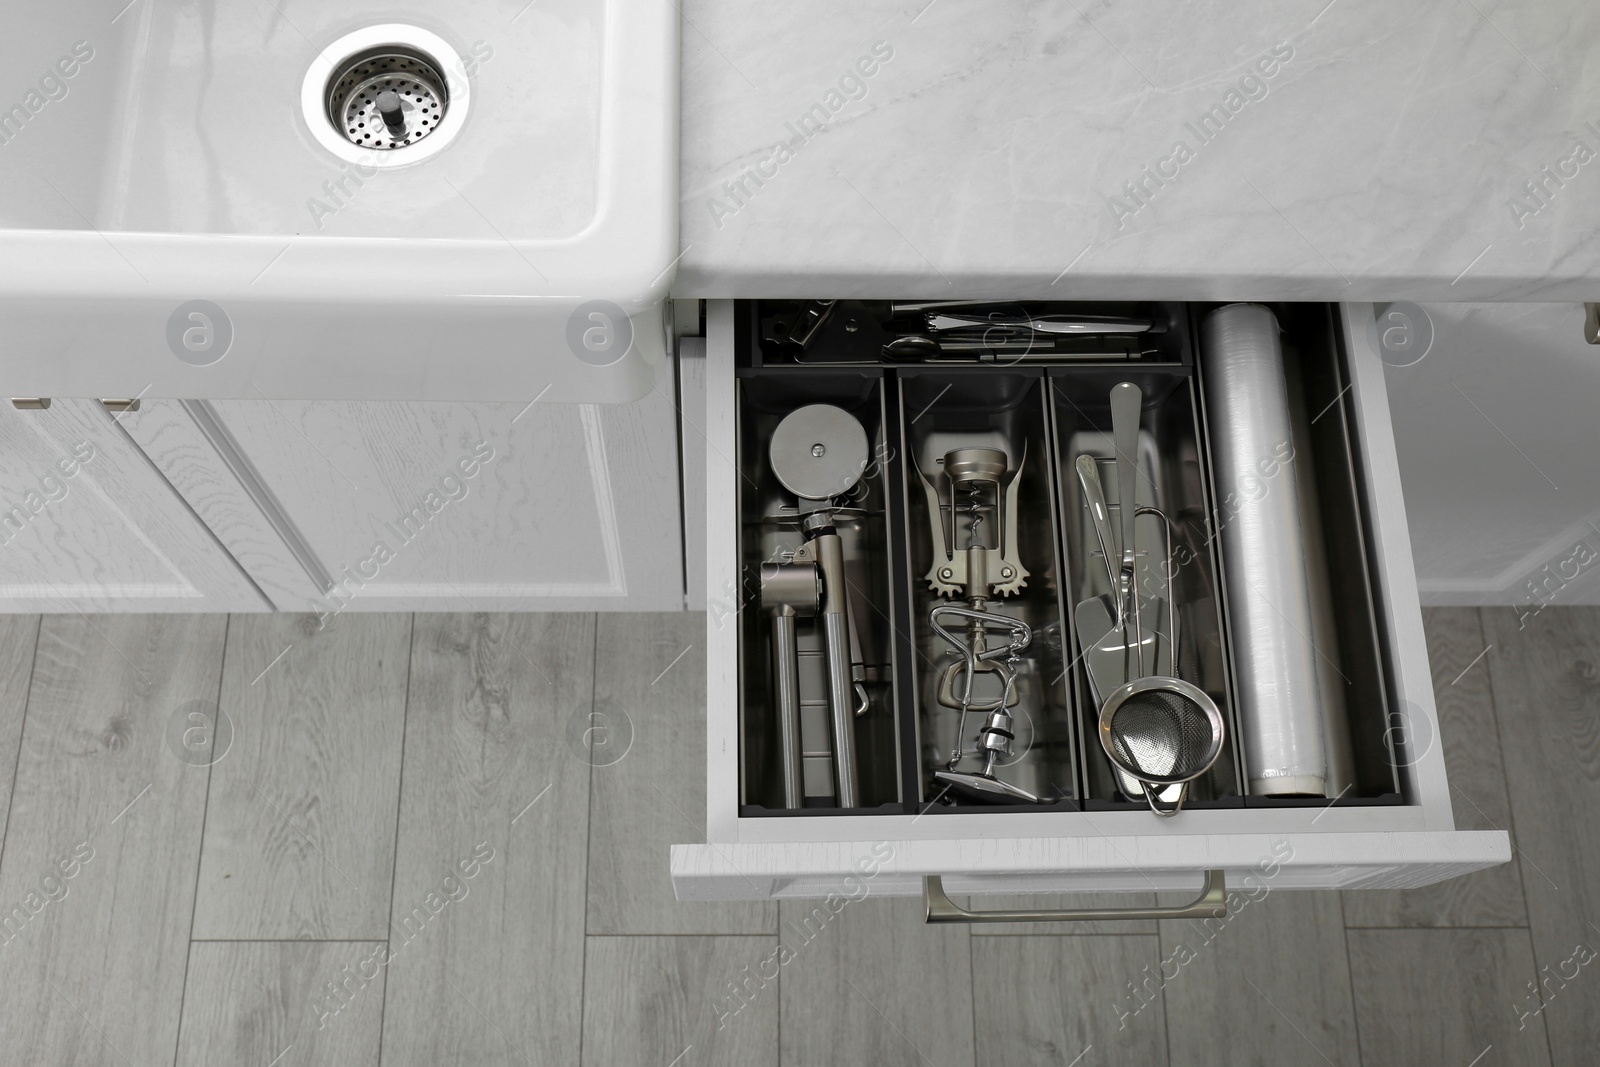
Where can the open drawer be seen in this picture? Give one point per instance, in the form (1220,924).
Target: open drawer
(1389,824)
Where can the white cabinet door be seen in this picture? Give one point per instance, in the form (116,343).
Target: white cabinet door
(370,506)
(1494,424)
(88,524)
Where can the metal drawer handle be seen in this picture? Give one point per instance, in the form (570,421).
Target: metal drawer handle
(1210,904)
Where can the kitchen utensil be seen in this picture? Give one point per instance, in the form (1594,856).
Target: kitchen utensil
(1164,732)
(995,737)
(912,347)
(1271,617)
(1164,652)
(1106,660)
(1045,324)
(1101,638)
(1098,619)
(788,590)
(1094,497)
(983,486)
(1099,651)
(818,453)
(1104,657)
(1126,401)
(979,475)
(1159,730)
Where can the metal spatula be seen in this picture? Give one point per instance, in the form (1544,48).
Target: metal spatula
(1104,651)
(1102,636)
(1099,625)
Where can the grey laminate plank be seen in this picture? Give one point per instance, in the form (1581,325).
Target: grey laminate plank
(1048,1001)
(1445,996)
(870,983)
(651,1001)
(488,957)
(1491,897)
(305,1004)
(301,818)
(1270,985)
(97,885)
(1546,678)
(19,636)
(650,685)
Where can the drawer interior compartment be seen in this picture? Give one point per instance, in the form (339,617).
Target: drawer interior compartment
(1371,754)
(985,578)
(987,623)
(1171,480)
(770,532)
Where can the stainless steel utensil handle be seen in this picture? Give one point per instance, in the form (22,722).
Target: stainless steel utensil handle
(1210,904)
(1049,324)
(841,686)
(786,680)
(1171,578)
(1126,400)
(1094,494)
(1125,403)
(841,707)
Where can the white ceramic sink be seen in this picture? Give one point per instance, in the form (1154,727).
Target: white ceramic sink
(175,223)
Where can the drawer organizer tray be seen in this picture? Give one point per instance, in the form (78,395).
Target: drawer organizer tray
(899,524)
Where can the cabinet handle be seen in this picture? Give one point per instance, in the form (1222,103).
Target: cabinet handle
(1210,904)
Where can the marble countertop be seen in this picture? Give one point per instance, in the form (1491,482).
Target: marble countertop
(1101,149)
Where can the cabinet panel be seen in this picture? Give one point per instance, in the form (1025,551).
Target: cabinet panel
(87,523)
(202,461)
(373,506)
(1493,424)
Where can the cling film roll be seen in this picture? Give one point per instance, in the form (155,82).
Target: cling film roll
(1272,617)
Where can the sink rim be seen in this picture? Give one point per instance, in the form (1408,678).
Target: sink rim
(86,309)
(627,251)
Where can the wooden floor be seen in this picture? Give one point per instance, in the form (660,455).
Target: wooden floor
(399,846)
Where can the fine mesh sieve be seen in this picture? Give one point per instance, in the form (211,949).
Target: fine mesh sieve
(1162,731)
(387,97)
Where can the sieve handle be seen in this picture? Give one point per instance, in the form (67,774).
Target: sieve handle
(1210,904)
(1126,402)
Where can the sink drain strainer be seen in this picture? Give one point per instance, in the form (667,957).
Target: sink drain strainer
(385,96)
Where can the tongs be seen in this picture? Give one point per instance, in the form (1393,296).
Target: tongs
(1024,325)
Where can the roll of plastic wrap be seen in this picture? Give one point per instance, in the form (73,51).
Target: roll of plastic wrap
(1271,614)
